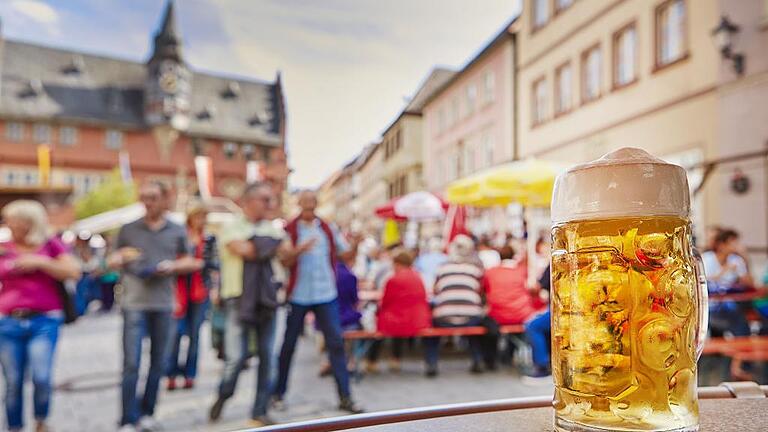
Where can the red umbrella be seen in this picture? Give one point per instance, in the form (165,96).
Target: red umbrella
(415,206)
(387,211)
(455,223)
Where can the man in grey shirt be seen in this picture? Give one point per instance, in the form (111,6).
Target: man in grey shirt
(151,252)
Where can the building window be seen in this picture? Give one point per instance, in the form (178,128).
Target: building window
(625,56)
(455,110)
(248,151)
(539,100)
(441,120)
(471,98)
(10,178)
(114,139)
(230,149)
(14,131)
(487,151)
(469,159)
(30,178)
(489,87)
(398,141)
(540,13)
(41,133)
(671,40)
(563,88)
(67,135)
(591,65)
(561,5)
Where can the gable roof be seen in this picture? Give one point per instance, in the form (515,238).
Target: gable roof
(434,82)
(47,83)
(505,33)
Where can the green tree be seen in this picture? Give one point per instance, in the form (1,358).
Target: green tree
(111,194)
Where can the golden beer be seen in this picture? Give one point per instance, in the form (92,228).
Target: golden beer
(624,324)
(627,305)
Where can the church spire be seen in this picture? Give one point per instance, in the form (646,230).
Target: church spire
(167,41)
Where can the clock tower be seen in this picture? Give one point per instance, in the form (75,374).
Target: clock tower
(168,84)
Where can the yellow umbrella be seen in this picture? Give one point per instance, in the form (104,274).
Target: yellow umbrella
(527,182)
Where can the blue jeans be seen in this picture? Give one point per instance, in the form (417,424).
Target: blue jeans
(27,344)
(188,325)
(236,341)
(136,324)
(432,344)
(329,323)
(727,316)
(538,330)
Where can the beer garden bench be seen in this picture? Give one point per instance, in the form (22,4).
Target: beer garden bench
(368,337)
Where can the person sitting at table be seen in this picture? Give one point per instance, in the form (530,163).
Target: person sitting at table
(508,298)
(458,300)
(403,310)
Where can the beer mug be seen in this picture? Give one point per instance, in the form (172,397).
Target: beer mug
(629,312)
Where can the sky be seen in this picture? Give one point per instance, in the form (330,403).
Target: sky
(348,66)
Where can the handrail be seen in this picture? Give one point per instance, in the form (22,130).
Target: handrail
(723,391)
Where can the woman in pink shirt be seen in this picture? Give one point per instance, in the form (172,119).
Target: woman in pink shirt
(32,265)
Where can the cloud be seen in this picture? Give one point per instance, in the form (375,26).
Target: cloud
(36,11)
(348,65)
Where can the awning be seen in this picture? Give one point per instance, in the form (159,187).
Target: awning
(527,182)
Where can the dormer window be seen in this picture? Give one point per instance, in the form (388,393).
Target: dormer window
(232,90)
(255,120)
(75,67)
(207,112)
(33,88)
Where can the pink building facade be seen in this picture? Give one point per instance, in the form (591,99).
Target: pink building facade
(469,124)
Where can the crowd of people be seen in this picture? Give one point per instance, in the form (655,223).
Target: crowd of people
(172,278)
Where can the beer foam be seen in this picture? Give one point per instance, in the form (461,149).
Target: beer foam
(624,183)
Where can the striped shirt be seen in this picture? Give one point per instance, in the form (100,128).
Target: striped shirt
(457,293)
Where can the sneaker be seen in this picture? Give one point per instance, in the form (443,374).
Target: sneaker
(189,383)
(348,405)
(431,371)
(171,384)
(260,421)
(215,412)
(394,365)
(149,424)
(538,376)
(278,404)
(125,428)
(42,426)
(476,369)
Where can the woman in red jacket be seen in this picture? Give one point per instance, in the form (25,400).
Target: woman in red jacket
(403,310)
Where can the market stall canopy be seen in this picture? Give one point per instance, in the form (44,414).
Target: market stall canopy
(527,182)
(416,206)
(220,210)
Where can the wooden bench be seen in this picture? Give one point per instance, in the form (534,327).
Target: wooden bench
(365,338)
(438,332)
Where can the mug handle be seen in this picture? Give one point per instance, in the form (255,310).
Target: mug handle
(702,303)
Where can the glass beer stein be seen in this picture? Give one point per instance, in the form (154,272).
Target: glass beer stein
(628,297)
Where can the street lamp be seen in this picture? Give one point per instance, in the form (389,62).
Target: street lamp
(725,34)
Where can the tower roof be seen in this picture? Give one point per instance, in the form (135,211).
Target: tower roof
(167,41)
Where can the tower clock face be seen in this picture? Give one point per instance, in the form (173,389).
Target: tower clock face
(168,82)
(169,76)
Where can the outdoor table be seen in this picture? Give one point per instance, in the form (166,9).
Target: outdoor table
(741,407)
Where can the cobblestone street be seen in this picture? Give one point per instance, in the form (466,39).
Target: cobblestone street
(87,377)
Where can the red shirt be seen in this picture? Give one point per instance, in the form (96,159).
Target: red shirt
(403,309)
(506,295)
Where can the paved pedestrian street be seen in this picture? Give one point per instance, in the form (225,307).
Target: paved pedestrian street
(88,370)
